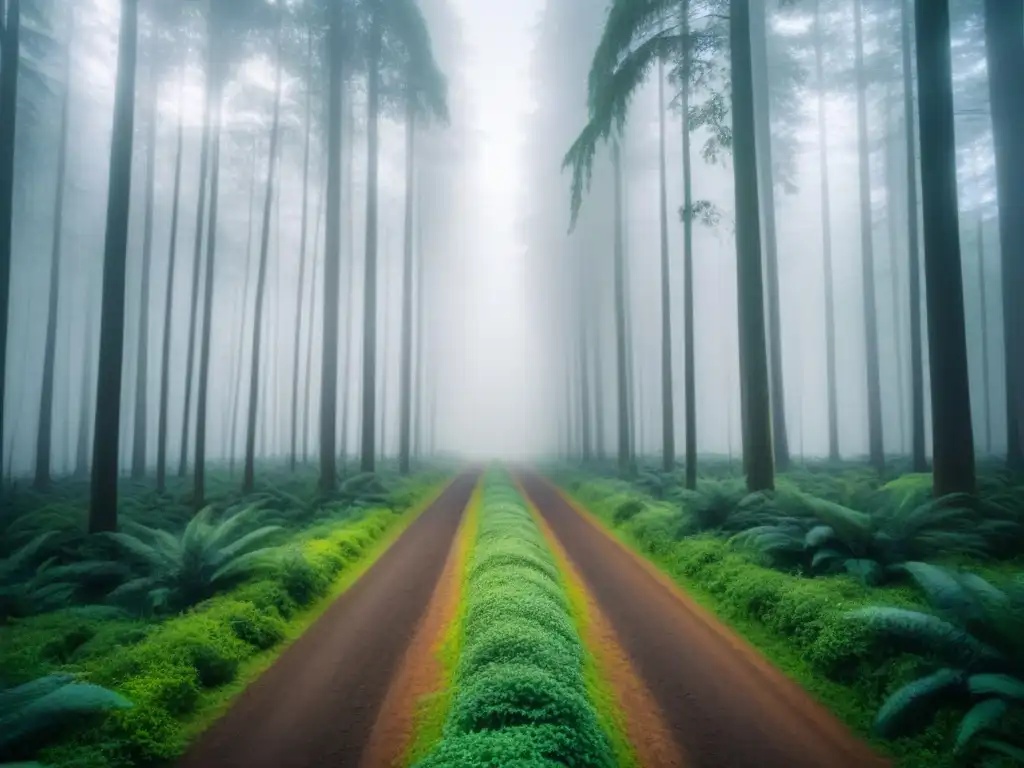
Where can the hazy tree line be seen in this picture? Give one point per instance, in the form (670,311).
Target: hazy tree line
(245,139)
(928,113)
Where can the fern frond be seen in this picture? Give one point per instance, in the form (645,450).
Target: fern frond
(906,710)
(1004,686)
(981,717)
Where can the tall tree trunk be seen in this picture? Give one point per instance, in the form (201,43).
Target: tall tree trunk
(202,394)
(826,245)
(302,252)
(309,331)
(689,353)
(628,313)
(619,277)
(986,384)
(9,59)
(236,399)
(197,262)
(82,447)
(876,446)
(140,433)
(952,435)
(368,444)
(106,433)
(165,356)
(762,123)
(350,275)
(584,362)
(332,247)
(1005,52)
(249,476)
(405,407)
(894,263)
(44,436)
(420,299)
(382,397)
(756,403)
(919,462)
(668,435)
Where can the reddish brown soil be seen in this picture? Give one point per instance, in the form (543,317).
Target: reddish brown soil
(419,674)
(725,705)
(645,723)
(317,704)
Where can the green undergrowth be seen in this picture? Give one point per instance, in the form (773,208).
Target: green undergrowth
(520,697)
(181,672)
(800,624)
(432,710)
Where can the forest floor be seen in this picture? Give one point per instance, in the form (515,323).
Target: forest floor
(723,703)
(317,704)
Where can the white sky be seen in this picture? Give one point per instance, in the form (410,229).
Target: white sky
(492,389)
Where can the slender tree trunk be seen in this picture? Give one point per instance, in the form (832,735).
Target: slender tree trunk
(350,274)
(236,399)
(202,395)
(756,402)
(630,349)
(1005,52)
(584,361)
(9,60)
(876,446)
(985,375)
(826,245)
(952,435)
(599,409)
(894,262)
(302,252)
(405,415)
(368,446)
(689,352)
(382,397)
(310,325)
(197,262)
(621,361)
(165,357)
(106,433)
(44,437)
(140,433)
(249,477)
(420,299)
(762,122)
(668,436)
(82,448)
(919,461)
(332,247)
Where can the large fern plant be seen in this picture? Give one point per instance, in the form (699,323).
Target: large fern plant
(977,640)
(37,710)
(208,555)
(873,546)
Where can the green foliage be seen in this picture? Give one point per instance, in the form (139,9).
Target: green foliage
(520,697)
(206,556)
(979,635)
(48,705)
(873,546)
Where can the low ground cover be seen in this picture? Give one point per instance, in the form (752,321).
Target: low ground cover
(519,694)
(212,604)
(895,657)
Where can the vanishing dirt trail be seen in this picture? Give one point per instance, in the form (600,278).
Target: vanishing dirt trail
(317,704)
(725,705)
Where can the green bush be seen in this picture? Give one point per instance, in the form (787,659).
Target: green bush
(520,698)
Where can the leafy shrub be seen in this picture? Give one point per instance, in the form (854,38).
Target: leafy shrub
(45,706)
(978,641)
(627,510)
(520,698)
(208,555)
(872,546)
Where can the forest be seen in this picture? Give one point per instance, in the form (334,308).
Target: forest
(449,383)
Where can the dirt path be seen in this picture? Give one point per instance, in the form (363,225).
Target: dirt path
(317,704)
(725,705)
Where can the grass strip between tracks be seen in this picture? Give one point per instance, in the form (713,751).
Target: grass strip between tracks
(519,693)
